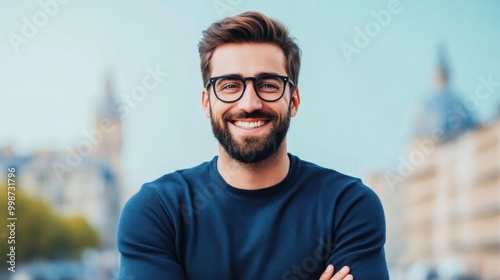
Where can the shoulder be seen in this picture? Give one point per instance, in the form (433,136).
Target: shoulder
(178,180)
(157,203)
(171,188)
(326,176)
(333,184)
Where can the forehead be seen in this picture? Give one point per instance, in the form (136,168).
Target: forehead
(248,59)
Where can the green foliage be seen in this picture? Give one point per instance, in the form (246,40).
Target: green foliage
(41,233)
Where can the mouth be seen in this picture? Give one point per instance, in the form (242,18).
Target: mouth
(249,124)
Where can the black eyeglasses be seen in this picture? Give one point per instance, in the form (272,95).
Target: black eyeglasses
(230,88)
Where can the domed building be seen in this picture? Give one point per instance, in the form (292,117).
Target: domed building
(443,115)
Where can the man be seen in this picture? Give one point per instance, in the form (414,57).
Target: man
(255,211)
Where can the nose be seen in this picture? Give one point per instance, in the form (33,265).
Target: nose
(250,101)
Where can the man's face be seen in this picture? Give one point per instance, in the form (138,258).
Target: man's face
(250,129)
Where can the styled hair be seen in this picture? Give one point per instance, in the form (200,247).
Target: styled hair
(249,27)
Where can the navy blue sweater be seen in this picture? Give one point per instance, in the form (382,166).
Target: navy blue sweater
(191,224)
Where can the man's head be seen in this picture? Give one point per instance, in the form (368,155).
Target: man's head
(249,27)
(250,69)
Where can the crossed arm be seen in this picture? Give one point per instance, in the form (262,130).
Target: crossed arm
(359,243)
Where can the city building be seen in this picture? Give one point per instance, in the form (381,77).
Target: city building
(85,179)
(443,114)
(453,205)
(442,201)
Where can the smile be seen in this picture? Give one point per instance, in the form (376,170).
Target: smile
(246,124)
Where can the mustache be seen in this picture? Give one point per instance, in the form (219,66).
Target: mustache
(246,115)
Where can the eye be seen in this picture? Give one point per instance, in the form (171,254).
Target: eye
(228,85)
(270,84)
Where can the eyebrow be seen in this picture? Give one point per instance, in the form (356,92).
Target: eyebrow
(267,73)
(256,75)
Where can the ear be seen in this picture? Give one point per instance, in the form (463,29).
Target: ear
(205,102)
(295,102)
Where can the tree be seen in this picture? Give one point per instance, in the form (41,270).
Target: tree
(40,233)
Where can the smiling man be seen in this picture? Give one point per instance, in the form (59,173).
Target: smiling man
(254,211)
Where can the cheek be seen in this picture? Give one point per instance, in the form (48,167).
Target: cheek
(283,107)
(218,109)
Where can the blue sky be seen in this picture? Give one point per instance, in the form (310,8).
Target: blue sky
(356,113)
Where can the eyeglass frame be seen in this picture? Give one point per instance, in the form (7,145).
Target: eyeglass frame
(285,79)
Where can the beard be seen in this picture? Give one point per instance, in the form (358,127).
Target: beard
(251,149)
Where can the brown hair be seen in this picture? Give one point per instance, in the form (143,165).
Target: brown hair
(249,27)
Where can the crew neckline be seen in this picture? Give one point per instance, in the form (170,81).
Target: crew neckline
(259,194)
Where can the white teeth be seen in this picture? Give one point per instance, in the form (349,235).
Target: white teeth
(249,124)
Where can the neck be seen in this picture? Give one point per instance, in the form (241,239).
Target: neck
(254,176)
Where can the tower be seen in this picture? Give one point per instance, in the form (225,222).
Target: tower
(110,126)
(108,156)
(442,75)
(442,115)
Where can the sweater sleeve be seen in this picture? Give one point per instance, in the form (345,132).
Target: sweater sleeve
(359,230)
(146,239)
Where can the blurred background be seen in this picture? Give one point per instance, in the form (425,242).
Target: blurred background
(99,97)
